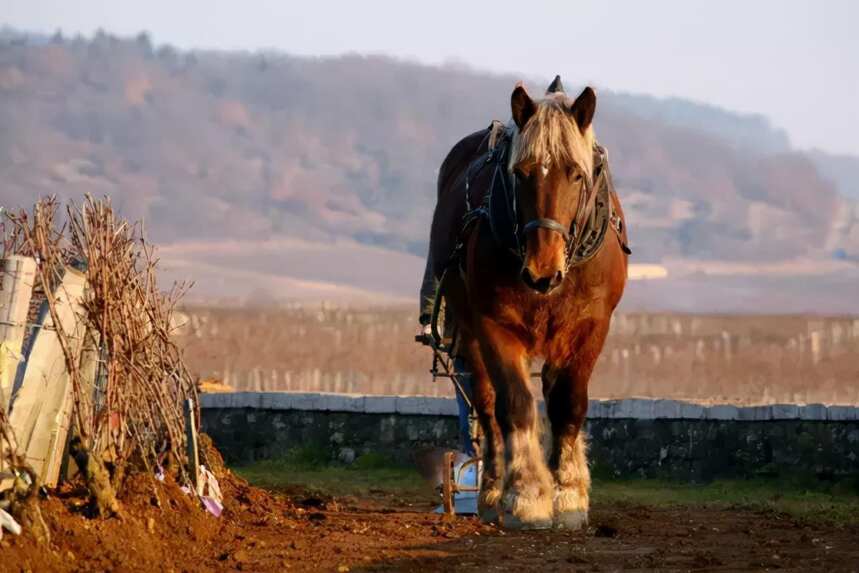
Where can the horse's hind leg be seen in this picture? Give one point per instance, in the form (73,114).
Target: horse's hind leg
(528,489)
(492,448)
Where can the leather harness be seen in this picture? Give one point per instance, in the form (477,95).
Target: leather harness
(585,235)
(499,207)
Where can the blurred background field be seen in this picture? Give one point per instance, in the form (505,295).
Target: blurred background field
(327,348)
(275,180)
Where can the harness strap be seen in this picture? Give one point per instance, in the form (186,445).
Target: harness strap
(595,212)
(496,131)
(587,200)
(552,225)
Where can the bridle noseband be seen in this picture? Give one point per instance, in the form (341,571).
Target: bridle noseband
(570,234)
(552,225)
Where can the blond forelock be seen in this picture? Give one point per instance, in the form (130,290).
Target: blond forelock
(552,137)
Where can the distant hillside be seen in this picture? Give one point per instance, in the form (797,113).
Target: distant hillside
(223,152)
(841,170)
(746,132)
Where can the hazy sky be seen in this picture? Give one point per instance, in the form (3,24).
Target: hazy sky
(794,61)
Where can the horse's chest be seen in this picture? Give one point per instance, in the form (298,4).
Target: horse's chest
(543,319)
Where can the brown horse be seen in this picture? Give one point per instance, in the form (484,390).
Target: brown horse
(535,273)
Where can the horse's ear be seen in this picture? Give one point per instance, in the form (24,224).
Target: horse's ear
(522,106)
(584,107)
(556,86)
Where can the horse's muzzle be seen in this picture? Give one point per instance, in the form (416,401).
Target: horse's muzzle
(542,284)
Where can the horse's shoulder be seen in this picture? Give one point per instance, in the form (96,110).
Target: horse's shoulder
(469,145)
(460,155)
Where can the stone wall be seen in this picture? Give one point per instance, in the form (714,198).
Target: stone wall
(633,437)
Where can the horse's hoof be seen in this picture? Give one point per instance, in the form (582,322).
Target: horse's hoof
(526,512)
(571,520)
(571,508)
(510,521)
(488,514)
(487,502)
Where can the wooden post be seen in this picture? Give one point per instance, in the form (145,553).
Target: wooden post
(18,277)
(191,439)
(41,411)
(89,371)
(447,486)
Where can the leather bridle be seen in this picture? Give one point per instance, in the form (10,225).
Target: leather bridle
(570,234)
(504,218)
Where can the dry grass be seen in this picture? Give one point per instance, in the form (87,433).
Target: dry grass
(741,359)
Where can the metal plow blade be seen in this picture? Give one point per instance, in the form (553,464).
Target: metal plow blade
(455,475)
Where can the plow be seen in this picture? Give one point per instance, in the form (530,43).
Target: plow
(460,471)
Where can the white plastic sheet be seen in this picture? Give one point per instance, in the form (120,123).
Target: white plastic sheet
(8,523)
(209,492)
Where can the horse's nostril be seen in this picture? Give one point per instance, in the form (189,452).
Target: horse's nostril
(559,276)
(541,284)
(527,277)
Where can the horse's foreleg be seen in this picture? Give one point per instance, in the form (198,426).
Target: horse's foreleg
(493,446)
(568,460)
(566,393)
(526,501)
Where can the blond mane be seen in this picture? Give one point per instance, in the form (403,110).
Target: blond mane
(551,136)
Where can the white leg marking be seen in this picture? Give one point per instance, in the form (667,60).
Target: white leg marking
(527,500)
(573,484)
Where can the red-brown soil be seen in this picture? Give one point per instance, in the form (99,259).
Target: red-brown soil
(263,531)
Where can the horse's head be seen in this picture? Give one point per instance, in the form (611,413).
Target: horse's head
(552,160)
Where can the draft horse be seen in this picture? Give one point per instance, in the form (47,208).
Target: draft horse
(539,264)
